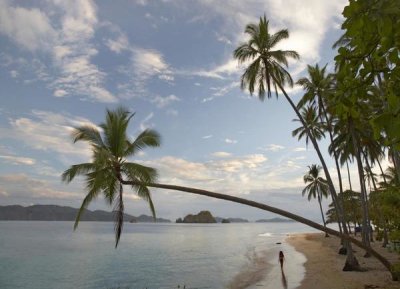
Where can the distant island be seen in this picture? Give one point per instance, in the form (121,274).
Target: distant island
(231,220)
(204,217)
(275,220)
(62,213)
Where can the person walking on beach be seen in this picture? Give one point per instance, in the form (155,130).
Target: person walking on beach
(281,258)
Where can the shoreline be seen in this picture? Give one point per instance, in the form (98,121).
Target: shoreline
(323,268)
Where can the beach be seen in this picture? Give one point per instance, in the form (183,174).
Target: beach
(324,265)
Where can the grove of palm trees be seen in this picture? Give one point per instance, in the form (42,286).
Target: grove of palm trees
(355,108)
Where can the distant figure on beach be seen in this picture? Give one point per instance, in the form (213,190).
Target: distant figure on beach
(281,258)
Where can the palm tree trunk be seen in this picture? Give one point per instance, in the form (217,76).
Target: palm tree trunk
(271,209)
(384,223)
(322,213)
(396,161)
(329,127)
(351,261)
(348,175)
(357,151)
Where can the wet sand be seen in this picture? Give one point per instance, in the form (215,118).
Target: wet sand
(264,272)
(324,266)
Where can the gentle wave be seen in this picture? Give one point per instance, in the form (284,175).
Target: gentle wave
(265,235)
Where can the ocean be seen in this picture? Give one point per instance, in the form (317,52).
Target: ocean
(41,255)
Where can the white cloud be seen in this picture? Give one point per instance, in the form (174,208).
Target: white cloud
(207,136)
(148,63)
(234,175)
(307,21)
(220,91)
(220,72)
(68,40)
(24,187)
(60,93)
(48,131)
(14,73)
(118,45)
(273,148)
(145,65)
(15,160)
(29,28)
(161,102)
(299,149)
(221,154)
(231,141)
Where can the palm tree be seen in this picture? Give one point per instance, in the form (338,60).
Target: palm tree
(316,188)
(311,118)
(111,149)
(267,73)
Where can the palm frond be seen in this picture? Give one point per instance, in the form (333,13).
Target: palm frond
(137,172)
(87,133)
(148,138)
(92,194)
(144,193)
(80,169)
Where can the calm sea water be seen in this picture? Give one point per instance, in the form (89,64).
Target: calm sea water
(50,255)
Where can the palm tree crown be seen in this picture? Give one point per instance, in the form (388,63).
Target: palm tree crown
(317,186)
(267,70)
(109,168)
(313,122)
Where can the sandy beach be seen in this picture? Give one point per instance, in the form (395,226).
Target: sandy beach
(324,265)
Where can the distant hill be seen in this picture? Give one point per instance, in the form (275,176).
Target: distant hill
(231,220)
(61,213)
(148,219)
(202,217)
(274,220)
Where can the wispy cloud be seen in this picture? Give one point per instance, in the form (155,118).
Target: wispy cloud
(299,149)
(272,147)
(221,154)
(44,130)
(21,186)
(161,102)
(145,123)
(15,160)
(67,42)
(207,136)
(230,141)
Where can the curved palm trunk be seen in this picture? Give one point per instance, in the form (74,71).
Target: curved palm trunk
(351,261)
(322,212)
(271,209)
(357,151)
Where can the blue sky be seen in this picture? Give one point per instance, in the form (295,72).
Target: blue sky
(62,63)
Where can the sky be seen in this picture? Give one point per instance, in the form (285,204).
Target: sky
(63,63)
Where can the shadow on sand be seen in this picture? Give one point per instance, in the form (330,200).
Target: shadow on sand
(284,280)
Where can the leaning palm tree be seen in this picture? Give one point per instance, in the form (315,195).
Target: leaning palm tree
(111,149)
(316,188)
(267,72)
